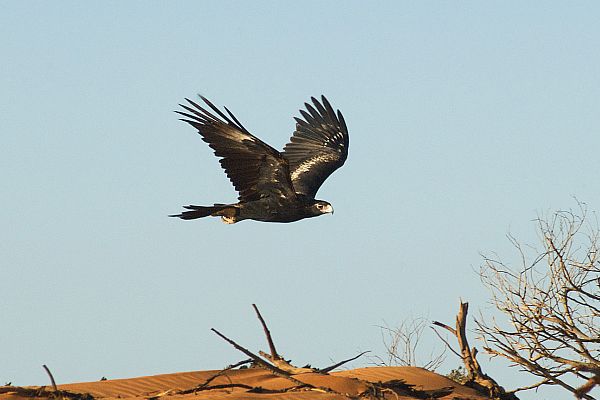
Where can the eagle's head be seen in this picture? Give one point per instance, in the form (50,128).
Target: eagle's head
(322,207)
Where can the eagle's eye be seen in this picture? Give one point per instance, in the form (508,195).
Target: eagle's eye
(324,207)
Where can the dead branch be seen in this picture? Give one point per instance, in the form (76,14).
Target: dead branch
(51,377)
(161,394)
(448,328)
(254,357)
(205,387)
(274,354)
(249,389)
(444,340)
(285,365)
(220,373)
(477,379)
(339,364)
(277,365)
(274,369)
(398,388)
(584,389)
(42,392)
(274,357)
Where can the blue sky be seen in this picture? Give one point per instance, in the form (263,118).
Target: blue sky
(466,119)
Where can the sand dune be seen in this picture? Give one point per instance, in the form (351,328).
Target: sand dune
(256,383)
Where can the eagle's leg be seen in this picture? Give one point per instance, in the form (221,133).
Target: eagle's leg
(229,220)
(229,214)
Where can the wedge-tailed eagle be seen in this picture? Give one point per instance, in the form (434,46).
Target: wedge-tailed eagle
(273,186)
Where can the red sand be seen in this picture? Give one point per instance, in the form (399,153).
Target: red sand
(337,385)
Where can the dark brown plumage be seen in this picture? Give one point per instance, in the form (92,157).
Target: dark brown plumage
(273,186)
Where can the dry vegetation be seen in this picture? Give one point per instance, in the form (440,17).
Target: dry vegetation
(551,305)
(402,344)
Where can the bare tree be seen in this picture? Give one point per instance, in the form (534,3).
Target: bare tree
(551,304)
(401,345)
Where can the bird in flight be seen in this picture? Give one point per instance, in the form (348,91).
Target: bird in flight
(273,186)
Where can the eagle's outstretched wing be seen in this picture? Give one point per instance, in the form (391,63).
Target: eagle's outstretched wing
(318,146)
(256,169)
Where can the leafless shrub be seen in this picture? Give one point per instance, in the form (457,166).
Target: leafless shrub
(401,344)
(551,304)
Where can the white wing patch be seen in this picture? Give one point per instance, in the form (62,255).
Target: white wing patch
(338,139)
(307,165)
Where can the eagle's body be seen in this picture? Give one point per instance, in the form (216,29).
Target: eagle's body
(273,186)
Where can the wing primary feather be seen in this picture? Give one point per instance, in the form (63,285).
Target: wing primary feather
(193,123)
(215,109)
(197,115)
(193,117)
(236,120)
(316,116)
(322,111)
(342,121)
(328,106)
(207,115)
(307,117)
(327,111)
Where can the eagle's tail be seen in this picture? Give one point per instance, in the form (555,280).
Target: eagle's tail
(227,212)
